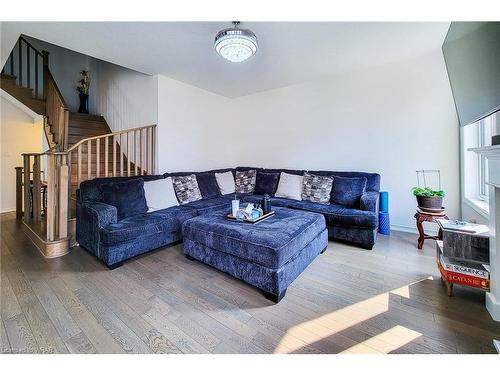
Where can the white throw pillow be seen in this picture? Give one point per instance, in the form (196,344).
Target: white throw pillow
(290,186)
(226,182)
(160,194)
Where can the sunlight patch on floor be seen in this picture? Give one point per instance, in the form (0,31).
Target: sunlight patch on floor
(329,324)
(385,342)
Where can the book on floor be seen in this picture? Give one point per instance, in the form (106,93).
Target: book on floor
(458,278)
(464,268)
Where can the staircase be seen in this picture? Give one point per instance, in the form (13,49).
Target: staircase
(81,147)
(24,94)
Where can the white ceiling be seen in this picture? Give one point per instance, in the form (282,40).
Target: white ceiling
(289,52)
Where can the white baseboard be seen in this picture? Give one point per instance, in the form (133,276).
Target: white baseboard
(413,230)
(5,210)
(493,306)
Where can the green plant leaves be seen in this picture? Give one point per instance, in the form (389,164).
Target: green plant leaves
(427,192)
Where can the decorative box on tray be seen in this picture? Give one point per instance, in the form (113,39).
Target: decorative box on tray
(250,214)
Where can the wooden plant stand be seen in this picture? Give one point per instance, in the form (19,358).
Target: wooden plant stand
(422,216)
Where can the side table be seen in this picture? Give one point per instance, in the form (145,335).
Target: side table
(422,216)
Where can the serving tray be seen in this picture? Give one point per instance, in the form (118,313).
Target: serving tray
(258,220)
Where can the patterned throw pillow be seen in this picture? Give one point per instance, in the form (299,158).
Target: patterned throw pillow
(317,188)
(245,181)
(186,188)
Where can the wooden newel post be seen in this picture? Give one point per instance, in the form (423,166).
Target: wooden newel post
(19,193)
(63,188)
(45,56)
(27,183)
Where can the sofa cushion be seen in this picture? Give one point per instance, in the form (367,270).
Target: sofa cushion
(317,188)
(290,186)
(272,243)
(186,188)
(160,194)
(208,185)
(347,191)
(372,179)
(337,214)
(298,172)
(130,228)
(266,183)
(89,190)
(127,196)
(257,198)
(244,181)
(208,205)
(225,181)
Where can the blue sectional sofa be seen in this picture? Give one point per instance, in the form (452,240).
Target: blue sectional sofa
(99,230)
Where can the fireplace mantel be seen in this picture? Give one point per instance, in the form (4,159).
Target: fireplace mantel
(492,153)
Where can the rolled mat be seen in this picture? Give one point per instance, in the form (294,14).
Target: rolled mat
(384,201)
(384,223)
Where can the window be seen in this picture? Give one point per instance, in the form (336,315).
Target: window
(474,167)
(484,129)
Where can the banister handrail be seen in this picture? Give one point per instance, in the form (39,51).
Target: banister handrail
(72,148)
(49,75)
(30,45)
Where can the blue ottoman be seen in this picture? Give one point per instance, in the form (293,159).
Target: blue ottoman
(269,255)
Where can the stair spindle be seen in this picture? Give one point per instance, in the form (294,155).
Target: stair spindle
(128,156)
(20,64)
(28,70)
(98,157)
(36,75)
(12,64)
(27,205)
(122,150)
(106,157)
(89,159)
(114,156)
(140,152)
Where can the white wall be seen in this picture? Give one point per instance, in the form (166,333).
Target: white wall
(18,135)
(392,119)
(194,128)
(127,99)
(65,66)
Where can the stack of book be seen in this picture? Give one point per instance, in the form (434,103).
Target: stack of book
(456,271)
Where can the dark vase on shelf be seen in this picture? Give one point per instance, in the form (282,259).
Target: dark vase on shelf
(84,98)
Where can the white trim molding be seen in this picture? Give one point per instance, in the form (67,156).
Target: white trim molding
(35,116)
(493,306)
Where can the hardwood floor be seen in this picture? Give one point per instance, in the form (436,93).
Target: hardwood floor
(349,300)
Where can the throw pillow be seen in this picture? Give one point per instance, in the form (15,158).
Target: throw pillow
(245,181)
(186,188)
(290,186)
(226,182)
(127,196)
(160,194)
(208,185)
(348,190)
(266,183)
(317,188)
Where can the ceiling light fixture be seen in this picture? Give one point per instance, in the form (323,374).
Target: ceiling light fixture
(235,44)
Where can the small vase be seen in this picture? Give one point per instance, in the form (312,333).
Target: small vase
(84,98)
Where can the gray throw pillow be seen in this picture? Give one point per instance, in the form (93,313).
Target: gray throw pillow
(245,181)
(317,188)
(186,188)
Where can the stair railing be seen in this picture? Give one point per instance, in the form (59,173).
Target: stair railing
(130,152)
(31,69)
(28,65)
(56,111)
(133,153)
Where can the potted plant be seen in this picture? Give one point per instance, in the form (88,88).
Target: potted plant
(428,198)
(83,89)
